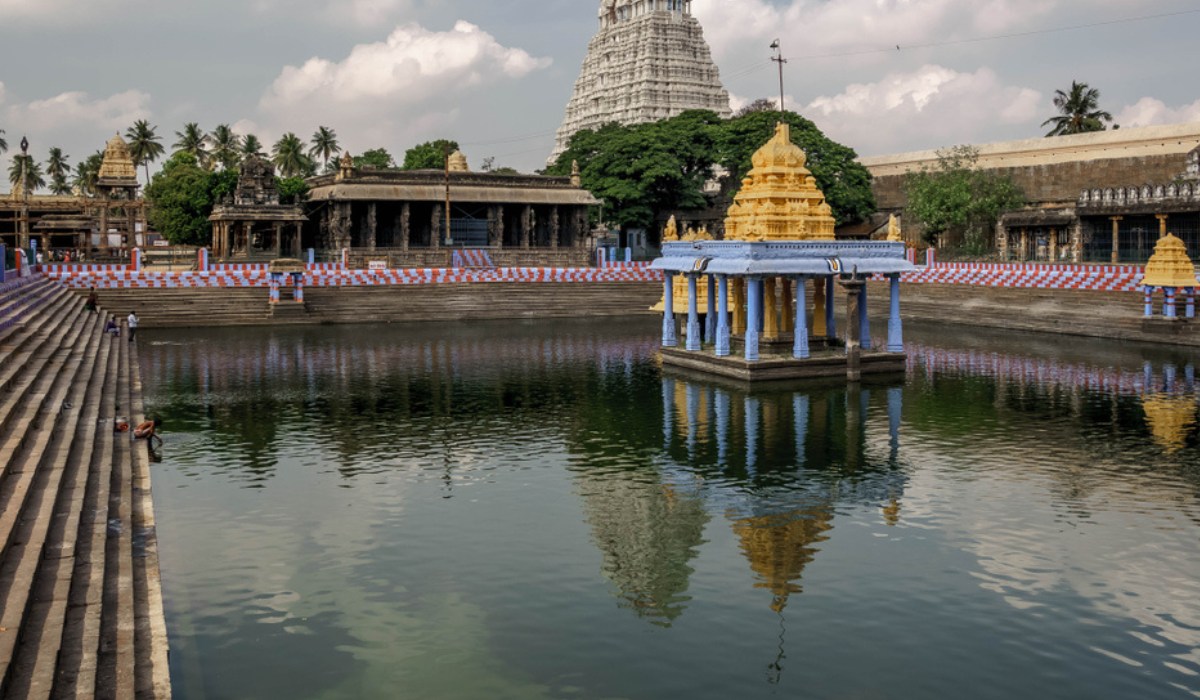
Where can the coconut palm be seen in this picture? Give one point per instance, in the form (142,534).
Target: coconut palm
(26,165)
(58,169)
(1079,111)
(226,146)
(251,146)
(288,155)
(87,171)
(144,146)
(3,143)
(192,140)
(324,145)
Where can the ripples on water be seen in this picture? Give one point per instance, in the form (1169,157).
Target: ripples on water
(523,511)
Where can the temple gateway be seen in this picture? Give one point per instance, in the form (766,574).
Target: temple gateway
(401,216)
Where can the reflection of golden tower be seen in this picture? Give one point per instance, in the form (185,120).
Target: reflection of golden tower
(1171,420)
(779,199)
(780,546)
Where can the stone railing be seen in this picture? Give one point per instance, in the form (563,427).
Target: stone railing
(397,258)
(1146,194)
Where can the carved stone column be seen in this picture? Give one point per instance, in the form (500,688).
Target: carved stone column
(435,227)
(278,239)
(372,226)
(1116,238)
(1077,241)
(405,225)
(554,228)
(527,223)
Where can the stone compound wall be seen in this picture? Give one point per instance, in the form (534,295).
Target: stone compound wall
(642,66)
(1056,170)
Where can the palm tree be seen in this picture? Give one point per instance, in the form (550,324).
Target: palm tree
(251,146)
(226,146)
(58,169)
(87,171)
(33,178)
(3,143)
(144,146)
(324,145)
(192,140)
(288,156)
(1079,111)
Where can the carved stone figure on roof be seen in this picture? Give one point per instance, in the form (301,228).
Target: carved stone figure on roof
(894,233)
(1193,164)
(256,182)
(671,231)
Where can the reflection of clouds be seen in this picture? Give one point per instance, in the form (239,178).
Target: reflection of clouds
(1119,552)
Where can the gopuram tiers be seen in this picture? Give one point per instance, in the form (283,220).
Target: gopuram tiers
(779,246)
(648,61)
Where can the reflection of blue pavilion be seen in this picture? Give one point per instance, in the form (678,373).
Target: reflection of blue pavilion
(778,243)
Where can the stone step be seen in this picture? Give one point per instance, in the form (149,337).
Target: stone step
(21,344)
(30,486)
(77,663)
(40,655)
(29,298)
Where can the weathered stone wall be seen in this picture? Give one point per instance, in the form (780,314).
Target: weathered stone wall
(1059,183)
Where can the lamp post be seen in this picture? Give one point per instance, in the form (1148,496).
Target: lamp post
(778,58)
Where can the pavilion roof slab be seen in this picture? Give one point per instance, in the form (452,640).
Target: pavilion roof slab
(764,259)
(458,193)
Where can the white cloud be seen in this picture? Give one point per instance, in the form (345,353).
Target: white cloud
(814,27)
(933,105)
(1149,111)
(59,11)
(79,110)
(411,65)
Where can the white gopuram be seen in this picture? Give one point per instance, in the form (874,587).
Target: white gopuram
(649,61)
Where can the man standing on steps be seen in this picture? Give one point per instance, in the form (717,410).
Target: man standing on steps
(132,321)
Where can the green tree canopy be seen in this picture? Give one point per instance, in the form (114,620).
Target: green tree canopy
(643,170)
(251,146)
(58,169)
(292,190)
(144,146)
(375,158)
(1079,111)
(959,201)
(182,196)
(430,155)
(24,164)
(3,143)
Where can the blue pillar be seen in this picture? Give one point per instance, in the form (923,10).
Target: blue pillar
(693,323)
(864,323)
(1169,302)
(710,318)
(800,336)
(1189,378)
(668,335)
(753,316)
(1169,374)
(1147,377)
(1149,302)
(830,318)
(895,341)
(800,409)
(1191,302)
(723,316)
(722,407)
(762,301)
(3,261)
(629,255)
(312,256)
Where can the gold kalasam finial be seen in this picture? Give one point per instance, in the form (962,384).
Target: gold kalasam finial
(671,231)
(1170,265)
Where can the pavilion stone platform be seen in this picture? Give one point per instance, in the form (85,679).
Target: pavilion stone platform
(769,283)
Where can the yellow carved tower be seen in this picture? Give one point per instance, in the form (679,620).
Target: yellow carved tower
(1170,265)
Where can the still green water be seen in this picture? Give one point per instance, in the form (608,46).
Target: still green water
(538,511)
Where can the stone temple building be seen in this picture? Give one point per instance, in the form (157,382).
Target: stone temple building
(649,61)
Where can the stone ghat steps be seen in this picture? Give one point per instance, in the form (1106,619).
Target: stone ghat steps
(452,302)
(164,308)
(80,608)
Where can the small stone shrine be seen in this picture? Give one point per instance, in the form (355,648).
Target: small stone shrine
(778,243)
(252,223)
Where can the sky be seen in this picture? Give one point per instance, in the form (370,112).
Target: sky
(881,76)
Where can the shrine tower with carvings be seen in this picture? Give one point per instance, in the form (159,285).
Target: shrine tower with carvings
(649,61)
